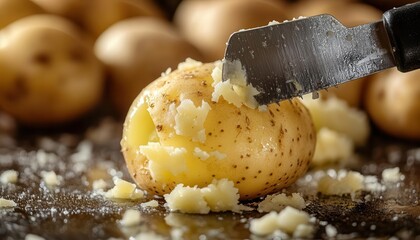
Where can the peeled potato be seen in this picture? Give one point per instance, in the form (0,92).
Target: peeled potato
(392,100)
(174,133)
(12,10)
(52,74)
(208,24)
(136,52)
(350,14)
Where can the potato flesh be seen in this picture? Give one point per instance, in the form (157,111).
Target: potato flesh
(261,152)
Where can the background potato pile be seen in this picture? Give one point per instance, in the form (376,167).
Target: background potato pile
(60,59)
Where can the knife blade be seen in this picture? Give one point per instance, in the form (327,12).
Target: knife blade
(293,58)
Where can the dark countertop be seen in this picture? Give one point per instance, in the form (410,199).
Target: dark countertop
(73,211)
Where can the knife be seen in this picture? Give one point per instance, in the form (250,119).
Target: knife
(293,58)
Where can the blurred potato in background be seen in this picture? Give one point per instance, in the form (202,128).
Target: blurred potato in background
(392,101)
(350,14)
(49,73)
(97,15)
(208,24)
(12,10)
(137,40)
(136,51)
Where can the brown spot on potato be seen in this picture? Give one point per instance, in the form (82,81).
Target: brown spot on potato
(159,128)
(77,55)
(273,123)
(42,58)
(19,90)
(381,94)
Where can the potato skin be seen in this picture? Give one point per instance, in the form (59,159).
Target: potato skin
(392,100)
(265,151)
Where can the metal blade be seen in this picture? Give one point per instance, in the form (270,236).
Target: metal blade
(302,56)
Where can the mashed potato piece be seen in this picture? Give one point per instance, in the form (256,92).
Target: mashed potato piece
(219,196)
(234,90)
(288,220)
(277,202)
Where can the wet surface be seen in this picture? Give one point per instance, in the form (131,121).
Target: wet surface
(73,210)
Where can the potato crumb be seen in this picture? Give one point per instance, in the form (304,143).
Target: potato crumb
(166,73)
(203,155)
(124,190)
(189,63)
(331,231)
(331,147)
(131,217)
(189,120)
(148,236)
(278,202)
(9,176)
(200,154)
(218,155)
(151,204)
(344,183)
(337,115)
(286,221)
(99,184)
(392,175)
(50,178)
(164,161)
(219,196)
(304,231)
(33,237)
(5,203)
(235,90)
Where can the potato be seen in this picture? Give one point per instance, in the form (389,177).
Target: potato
(208,24)
(66,8)
(101,14)
(136,52)
(350,14)
(50,76)
(392,100)
(12,10)
(174,133)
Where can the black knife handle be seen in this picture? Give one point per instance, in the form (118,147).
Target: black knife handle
(403,28)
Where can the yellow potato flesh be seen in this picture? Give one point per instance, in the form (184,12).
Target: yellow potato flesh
(260,151)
